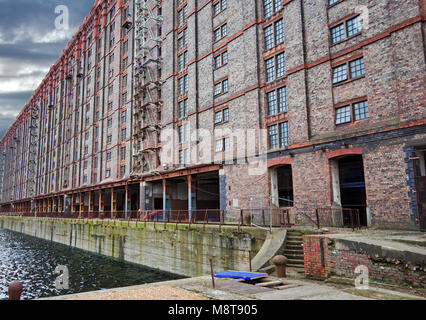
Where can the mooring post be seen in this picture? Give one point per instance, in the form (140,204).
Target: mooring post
(15,290)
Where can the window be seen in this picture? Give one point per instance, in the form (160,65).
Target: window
(344,114)
(182,61)
(278,135)
(220,32)
(123,135)
(183,133)
(108,156)
(124,99)
(346,29)
(219,6)
(108,173)
(221,87)
(182,39)
(123,116)
(275,67)
(125,47)
(274,34)
(109,123)
(182,15)
(109,139)
(122,171)
(332,2)
(124,82)
(277,101)
(183,108)
(356,69)
(354,26)
(271,7)
(183,157)
(340,73)
(221,116)
(123,153)
(183,85)
(221,59)
(361,110)
(223,144)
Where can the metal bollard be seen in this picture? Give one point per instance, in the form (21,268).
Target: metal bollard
(280,263)
(15,290)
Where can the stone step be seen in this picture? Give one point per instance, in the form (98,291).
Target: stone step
(295,256)
(292,242)
(295,262)
(295,251)
(293,247)
(296,266)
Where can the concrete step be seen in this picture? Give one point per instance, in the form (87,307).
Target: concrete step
(294,243)
(295,262)
(296,266)
(293,247)
(295,257)
(291,252)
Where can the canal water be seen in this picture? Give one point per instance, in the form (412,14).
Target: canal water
(33,261)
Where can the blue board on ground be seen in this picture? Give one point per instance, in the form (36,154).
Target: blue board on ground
(240,275)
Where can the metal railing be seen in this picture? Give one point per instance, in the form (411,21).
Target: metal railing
(265,217)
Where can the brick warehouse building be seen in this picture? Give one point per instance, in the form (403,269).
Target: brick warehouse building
(142,108)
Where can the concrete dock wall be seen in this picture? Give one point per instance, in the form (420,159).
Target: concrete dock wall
(176,248)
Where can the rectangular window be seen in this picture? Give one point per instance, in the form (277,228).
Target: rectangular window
(219,6)
(183,157)
(108,173)
(221,116)
(123,135)
(340,73)
(183,108)
(346,29)
(271,7)
(338,33)
(343,114)
(123,153)
(122,171)
(273,136)
(279,32)
(357,67)
(332,2)
(182,61)
(272,102)
(182,38)
(270,69)
(108,156)
(183,84)
(221,87)
(220,32)
(221,59)
(269,37)
(278,136)
(282,99)
(280,64)
(361,110)
(354,26)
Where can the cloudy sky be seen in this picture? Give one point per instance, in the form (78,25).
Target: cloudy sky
(29,45)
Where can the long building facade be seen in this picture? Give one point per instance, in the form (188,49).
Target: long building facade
(230,105)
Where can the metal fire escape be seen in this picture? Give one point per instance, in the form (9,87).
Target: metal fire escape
(32,153)
(147,86)
(2,164)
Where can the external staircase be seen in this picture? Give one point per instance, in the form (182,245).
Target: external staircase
(294,251)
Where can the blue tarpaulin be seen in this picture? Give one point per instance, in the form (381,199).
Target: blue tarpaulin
(240,275)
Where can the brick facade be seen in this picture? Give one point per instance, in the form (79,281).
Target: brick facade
(387,36)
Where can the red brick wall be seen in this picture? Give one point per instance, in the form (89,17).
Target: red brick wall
(344,262)
(312,256)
